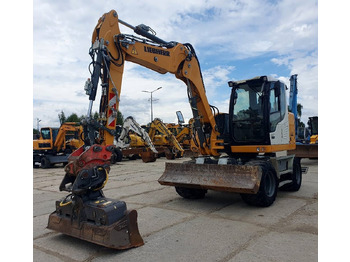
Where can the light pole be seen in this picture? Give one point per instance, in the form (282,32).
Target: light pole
(151,92)
(37,123)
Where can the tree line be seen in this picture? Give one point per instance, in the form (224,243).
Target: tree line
(75,118)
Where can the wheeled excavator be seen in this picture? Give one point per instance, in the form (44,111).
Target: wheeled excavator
(53,147)
(147,151)
(243,151)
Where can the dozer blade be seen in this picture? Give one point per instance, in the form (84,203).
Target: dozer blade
(305,151)
(122,234)
(230,178)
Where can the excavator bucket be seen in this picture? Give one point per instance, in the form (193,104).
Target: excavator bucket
(230,178)
(148,156)
(104,222)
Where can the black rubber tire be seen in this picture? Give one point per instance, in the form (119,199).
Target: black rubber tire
(133,157)
(296,178)
(267,193)
(191,193)
(117,156)
(45,163)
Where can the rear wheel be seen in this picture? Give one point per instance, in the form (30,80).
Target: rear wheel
(268,188)
(191,193)
(45,163)
(296,177)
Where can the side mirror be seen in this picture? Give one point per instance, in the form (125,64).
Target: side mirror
(180,117)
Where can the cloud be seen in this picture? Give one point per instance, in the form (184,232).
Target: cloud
(224,33)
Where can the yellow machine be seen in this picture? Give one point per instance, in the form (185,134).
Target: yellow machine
(313,124)
(242,151)
(184,135)
(55,144)
(126,142)
(162,138)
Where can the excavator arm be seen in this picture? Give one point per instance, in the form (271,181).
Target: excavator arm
(158,124)
(110,49)
(131,124)
(60,139)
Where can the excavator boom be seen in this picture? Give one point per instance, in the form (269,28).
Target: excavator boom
(111,49)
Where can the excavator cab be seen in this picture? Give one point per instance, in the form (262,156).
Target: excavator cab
(257,109)
(46,139)
(180,118)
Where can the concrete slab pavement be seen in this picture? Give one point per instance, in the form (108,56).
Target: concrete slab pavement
(220,227)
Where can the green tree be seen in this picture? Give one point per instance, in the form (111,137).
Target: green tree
(73,118)
(299,109)
(96,115)
(120,118)
(62,117)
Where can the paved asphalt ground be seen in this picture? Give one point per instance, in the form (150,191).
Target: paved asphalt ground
(220,227)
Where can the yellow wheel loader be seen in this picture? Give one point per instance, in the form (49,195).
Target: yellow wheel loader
(242,151)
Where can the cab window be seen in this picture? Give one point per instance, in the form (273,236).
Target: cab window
(277,105)
(45,133)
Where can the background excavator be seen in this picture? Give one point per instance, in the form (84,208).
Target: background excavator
(243,151)
(162,138)
(184,135)
(306,146)
(146,150)
(54,145)
(313,126)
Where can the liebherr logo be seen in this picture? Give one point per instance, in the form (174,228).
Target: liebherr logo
(156,51)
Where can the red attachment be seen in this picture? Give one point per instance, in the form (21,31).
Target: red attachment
(95,155)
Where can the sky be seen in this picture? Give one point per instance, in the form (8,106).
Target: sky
(234,40)
(45,59)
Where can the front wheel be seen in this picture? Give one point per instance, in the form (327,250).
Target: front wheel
(268,188)
(191,193)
